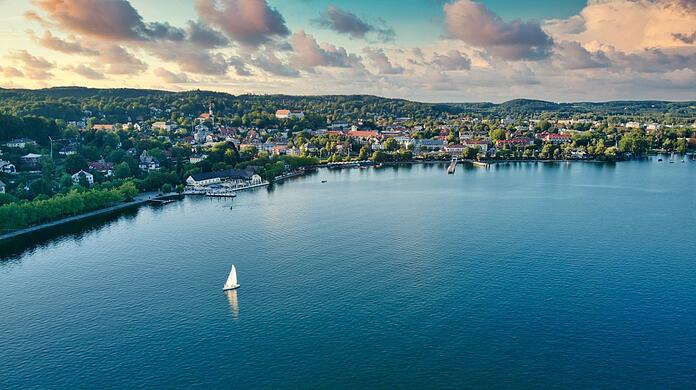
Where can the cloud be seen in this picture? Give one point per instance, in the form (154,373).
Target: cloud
(203,36)
(572,55)
(380,60)
(309,54)
(475,25)
(267,61)
(345,22)
(86,71)
(52,42)
(248,22)
(11,71)
(114,59)
(171,77)
(37,68)
(190,59)
(685,38)
(104,19)
(452,60)
(628,25)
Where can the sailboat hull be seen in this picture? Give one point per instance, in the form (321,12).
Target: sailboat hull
(230,288)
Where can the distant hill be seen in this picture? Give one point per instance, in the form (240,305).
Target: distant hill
(119,104)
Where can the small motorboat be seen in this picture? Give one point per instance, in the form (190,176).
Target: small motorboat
(323,181)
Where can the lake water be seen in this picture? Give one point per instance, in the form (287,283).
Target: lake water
(553,275)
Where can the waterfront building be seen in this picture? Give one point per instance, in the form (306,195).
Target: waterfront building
(234,177)
(2,187)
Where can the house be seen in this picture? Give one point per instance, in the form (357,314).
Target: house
(103,127)
(477,144)
(31,160)
(428,144)
(102,166)
(196,158)
(205,116)
(68,150)
(234,177)
(558,139)
(514,142)
(20,143)
(163,126)
(289,114)
(7,167)
(82,174)
(2,187)
(455,149)
(147,162)
(363,136)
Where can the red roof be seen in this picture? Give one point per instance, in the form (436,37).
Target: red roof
(363,134)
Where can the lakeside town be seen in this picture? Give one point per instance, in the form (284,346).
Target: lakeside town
(53,168)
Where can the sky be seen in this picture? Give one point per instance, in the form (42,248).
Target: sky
(424,50)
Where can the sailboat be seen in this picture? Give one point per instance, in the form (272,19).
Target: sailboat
(231,282)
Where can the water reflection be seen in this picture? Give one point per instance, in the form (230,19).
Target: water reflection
(233,302)
(15,248)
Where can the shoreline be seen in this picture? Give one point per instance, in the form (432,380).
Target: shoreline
(153,196)
(141,199)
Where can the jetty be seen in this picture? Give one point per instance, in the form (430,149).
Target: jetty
(481,164)
(453,166)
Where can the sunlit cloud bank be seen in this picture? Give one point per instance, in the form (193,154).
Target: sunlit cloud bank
(610,49)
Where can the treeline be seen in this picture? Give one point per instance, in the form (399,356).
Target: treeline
(15,216)
(35,128)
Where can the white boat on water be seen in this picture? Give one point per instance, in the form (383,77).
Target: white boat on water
(231,282)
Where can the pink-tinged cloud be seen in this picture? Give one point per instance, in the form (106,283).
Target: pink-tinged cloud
(572,55)
(114,59)
(476,25)
(11,71)
(452,60)
(309,54)
(248,22)
(86,71)
(171,77)
(52,42)
(37,68)
(380,61)
(104,19)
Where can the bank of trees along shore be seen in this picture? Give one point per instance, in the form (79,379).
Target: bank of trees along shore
(19,215)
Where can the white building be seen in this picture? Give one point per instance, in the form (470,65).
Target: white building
(232,177)
(7,167)
(88,176)
(289,114)
(20,143)
(2,187)
(163,126)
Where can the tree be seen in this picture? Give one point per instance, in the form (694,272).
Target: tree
(364,153)
(166,188)
(390,145)
(496,135)
(122,170)
(470,152)
(74,163)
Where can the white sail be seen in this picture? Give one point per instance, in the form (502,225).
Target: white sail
(231,280)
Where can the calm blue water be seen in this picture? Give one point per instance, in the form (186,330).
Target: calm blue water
(558,275)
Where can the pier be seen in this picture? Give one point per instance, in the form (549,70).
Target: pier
(453,166)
